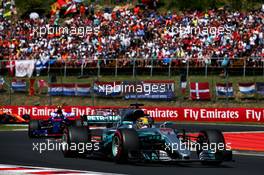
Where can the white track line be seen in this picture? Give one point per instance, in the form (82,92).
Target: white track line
(34,169)
(24,125)
(11,130)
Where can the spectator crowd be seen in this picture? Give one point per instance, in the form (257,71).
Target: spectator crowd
(125,33)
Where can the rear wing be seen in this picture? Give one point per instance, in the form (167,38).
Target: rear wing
(94,119)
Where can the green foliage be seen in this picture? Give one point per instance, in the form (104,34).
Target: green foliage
(209,4)
(27,6)
(43,6)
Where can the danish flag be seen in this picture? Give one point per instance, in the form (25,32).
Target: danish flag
(200,91)
(10,65)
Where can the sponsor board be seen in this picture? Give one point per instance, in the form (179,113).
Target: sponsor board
(155,90)
(158,113)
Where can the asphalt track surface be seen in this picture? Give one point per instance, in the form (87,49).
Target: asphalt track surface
(17,149)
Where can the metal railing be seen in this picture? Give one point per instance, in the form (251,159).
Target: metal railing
(253,65)
(88,71)
(149,66)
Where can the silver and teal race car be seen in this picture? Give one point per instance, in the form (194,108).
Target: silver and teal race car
(131,135)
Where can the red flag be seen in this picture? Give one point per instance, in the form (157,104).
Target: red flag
(71,9)
(61,3)
(200,91)
(82,10)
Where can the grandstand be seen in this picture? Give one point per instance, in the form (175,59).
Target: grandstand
(82,42)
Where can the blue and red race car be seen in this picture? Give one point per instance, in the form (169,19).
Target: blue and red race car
(54,126)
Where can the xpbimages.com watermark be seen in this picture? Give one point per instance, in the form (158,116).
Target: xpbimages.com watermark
(59,146)
(206,30)
(189,145)
(168,147)
(51,30)
(179,31)
(145,88)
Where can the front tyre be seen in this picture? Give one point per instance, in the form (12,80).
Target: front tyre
(72,138)
(32,126)
(212,140)
(124,142)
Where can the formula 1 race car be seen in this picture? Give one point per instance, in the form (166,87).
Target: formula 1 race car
(53,127)
(10,118)
(133,136)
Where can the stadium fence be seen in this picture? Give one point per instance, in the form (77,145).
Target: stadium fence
(247,69)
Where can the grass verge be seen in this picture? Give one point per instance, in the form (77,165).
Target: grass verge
(5,127)
(180,101)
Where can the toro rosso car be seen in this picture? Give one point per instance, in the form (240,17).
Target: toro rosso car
(133,136)
(7,117)
(52,127)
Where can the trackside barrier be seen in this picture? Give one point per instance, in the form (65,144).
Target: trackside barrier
(69,89)
(227,115)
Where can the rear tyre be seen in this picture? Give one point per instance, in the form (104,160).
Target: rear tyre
(71,139)
(124,142)
(33,125)
(214,139)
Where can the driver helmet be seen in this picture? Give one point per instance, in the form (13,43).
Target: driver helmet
(59,110)
(143,122)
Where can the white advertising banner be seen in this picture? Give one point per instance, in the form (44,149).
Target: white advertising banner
(24,68)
